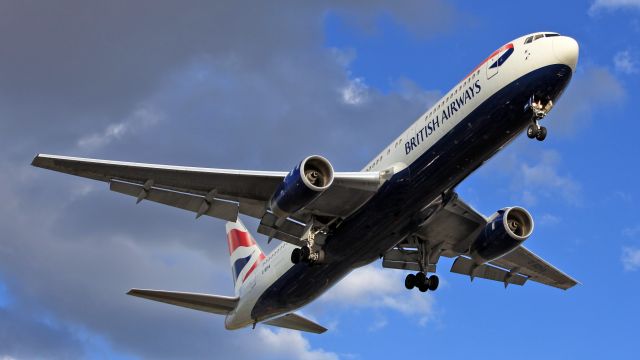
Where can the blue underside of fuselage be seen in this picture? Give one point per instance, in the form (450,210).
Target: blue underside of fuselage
(394,212)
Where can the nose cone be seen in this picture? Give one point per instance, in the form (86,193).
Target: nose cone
(566,51)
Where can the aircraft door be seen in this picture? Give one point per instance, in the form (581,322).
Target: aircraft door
(492,64)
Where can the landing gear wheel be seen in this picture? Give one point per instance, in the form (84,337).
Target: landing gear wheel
(532,131)
(410,281)
(421,279)
(296,255)
(304,253)
(542,133)
(434,281)
(423,288)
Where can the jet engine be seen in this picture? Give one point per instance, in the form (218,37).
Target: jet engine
(302,185)
(507,229)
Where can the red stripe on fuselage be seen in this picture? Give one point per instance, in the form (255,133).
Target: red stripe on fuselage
(253,267)
(237,238)
(505,47)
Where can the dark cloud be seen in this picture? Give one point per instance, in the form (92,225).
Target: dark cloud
(236,84)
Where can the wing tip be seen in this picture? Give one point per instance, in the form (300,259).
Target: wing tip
(38,160)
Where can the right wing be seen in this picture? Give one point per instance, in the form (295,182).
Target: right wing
(220,193)
(449,231)
(535,268)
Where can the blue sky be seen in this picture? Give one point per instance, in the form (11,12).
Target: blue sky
(253,86)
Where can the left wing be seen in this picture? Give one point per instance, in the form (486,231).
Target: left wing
(450,230)
(221,193)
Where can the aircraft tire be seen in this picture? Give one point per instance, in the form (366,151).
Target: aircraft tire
(532,132)
(296,255)
(410,281)
(542,134)
(421,279)
(304,253)
(423,288)
(434,281)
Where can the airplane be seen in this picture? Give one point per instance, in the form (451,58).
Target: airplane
(402,207)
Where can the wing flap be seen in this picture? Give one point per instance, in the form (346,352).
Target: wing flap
(215,304)
(466,266)
(222,209)
(296,322)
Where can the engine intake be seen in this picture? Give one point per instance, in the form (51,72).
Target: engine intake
(308,180)
(507,230)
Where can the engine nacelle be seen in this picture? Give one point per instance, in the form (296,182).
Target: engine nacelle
(302,185)
(508,228)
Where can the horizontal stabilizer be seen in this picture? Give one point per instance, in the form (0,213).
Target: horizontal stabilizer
(466,266)
(296,322)
(215,304)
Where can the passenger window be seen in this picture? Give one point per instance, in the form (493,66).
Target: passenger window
(529,39)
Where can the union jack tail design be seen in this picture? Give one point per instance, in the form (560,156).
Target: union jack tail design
(245,253)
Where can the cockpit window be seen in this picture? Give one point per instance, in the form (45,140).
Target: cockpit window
(531,39)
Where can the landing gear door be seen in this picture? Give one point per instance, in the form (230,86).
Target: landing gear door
(492,64)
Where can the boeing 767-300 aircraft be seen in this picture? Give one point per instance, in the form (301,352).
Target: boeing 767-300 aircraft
(402,207)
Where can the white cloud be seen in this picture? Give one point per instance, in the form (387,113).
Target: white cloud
(589,91)
(373,287)
(630,258)
(141,118)
(625,63)
(547,182)
(613,5)
(378,324)
(631,231)
(355,92)
(548,219)
(290,345)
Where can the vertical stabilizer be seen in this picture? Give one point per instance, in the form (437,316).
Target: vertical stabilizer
(245,253)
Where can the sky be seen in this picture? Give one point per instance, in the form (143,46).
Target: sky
(261,85)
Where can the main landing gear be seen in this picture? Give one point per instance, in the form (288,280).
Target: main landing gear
(422,282)
(312,252)
(426,254)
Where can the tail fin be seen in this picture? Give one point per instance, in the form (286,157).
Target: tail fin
(245,253)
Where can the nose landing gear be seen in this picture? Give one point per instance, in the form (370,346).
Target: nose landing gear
(536,131)
(539,111)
